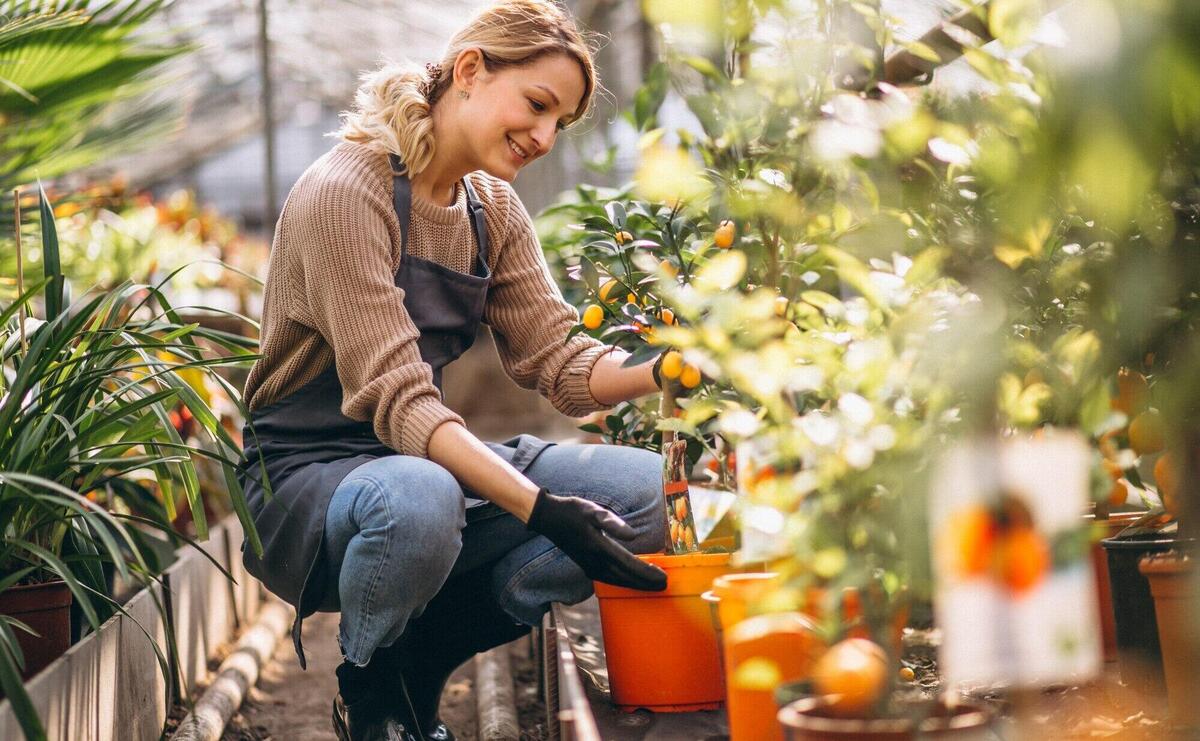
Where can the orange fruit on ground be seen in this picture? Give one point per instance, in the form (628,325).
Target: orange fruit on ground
(689,377)
(607,289)
(1022,559)
(1133,393)
(593,315)
(1146,432)
(672,365)
(854,674)
(972,536)
(667,316)
(907,674)
(1166,476)
(723,236)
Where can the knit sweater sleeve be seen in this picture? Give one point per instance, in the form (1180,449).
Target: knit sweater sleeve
(530,319)
(350,297)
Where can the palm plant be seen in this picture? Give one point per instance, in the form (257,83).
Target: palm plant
(67,71)
(85,409)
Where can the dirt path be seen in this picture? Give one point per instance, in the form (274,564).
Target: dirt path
(294,705)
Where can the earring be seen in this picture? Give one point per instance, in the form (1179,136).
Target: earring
(463,94)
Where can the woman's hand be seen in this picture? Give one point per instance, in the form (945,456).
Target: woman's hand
(582,529)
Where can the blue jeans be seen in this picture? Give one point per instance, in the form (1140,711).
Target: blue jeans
(398,527)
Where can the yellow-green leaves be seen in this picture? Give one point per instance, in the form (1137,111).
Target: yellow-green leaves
(724,271)
(669,175)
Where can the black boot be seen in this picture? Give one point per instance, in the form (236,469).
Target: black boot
(461,621)
(361,712)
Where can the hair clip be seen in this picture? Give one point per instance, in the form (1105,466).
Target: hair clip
(433,72)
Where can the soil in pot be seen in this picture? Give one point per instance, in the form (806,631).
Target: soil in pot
(46,608)
(660,647)
(1172,578)
(809,719)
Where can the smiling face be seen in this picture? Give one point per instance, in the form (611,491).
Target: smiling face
(514,114)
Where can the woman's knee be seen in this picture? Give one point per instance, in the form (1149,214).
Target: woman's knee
(638,487)
(636,495)
(413,497)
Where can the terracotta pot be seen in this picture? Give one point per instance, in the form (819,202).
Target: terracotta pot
(661,647)
(809,720)
(1115,523)
(46,608)
(790,645)
(1173,577)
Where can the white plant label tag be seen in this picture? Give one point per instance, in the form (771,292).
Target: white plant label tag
(1015,594)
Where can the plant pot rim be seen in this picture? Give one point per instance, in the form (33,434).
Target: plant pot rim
(686,560)
(1168,563)
(800,714)
(50,595)
(1117,543)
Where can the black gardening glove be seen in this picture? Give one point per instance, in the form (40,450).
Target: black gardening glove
(582,529)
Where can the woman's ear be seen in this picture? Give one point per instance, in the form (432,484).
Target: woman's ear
(469,69)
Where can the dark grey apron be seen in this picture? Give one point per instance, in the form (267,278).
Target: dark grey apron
(308,446)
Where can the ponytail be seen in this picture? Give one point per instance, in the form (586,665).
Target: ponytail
(393,115)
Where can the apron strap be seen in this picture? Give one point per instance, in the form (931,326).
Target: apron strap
(402,202)
(478,225)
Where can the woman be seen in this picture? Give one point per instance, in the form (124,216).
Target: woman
(390,251)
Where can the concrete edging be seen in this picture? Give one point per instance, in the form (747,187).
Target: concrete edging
(236,675)
(495,697)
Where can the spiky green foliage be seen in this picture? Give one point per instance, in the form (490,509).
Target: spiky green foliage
(68,71)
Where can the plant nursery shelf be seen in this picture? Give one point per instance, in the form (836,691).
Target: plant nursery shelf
(578,701)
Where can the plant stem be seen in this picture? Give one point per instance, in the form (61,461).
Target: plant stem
(20,269)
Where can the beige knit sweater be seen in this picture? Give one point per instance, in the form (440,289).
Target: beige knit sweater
(330,295)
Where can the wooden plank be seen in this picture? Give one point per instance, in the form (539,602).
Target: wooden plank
(219,623)
(140,687)
(189,583)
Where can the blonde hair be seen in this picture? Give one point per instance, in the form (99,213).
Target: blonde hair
(393,106)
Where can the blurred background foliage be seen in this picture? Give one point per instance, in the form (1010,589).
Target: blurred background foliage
(909,264)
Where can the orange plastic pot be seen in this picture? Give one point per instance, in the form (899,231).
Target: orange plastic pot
(737,594)
(761,653)
(661,647)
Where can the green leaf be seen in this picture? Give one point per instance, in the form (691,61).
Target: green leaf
(649,97)
(703,66)
(11,662)
(50,258)
(616,213)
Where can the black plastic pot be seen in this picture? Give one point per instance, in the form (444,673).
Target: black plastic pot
(1133,606)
